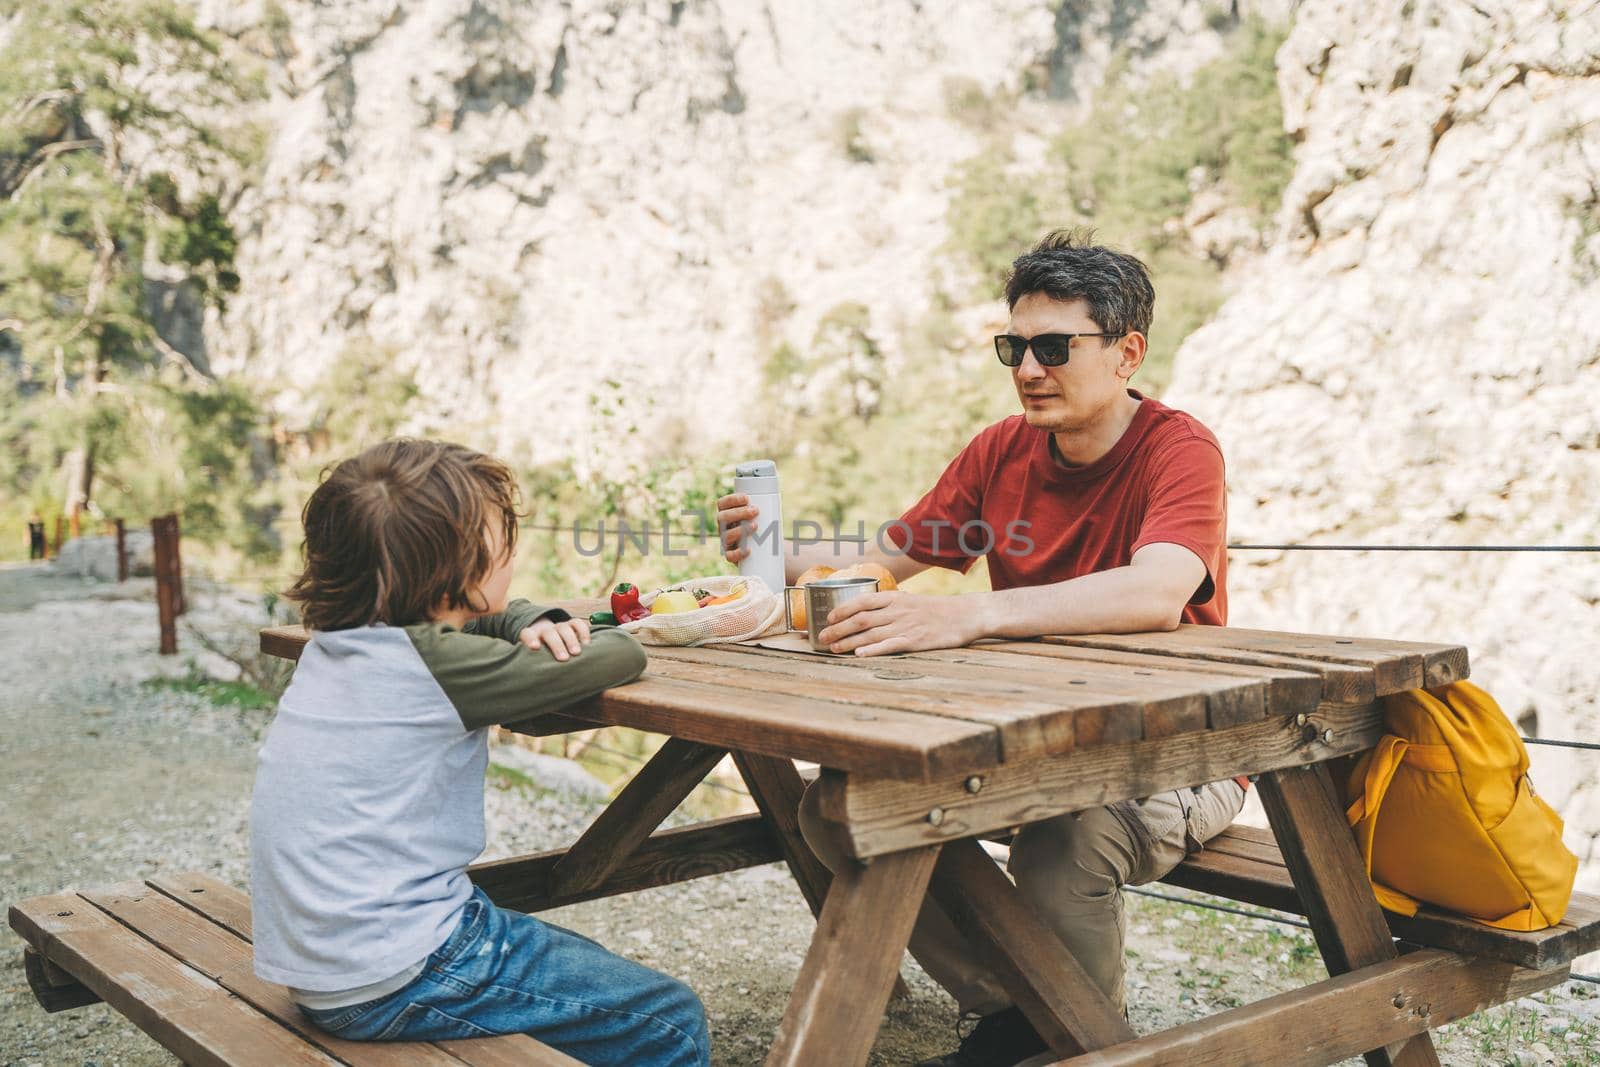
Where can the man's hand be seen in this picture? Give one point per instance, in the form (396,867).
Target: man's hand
(563,639)
(879,623)
(734,516)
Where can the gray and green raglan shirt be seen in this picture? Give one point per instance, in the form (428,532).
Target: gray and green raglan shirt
(368,800)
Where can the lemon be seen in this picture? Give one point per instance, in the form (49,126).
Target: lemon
(672,601)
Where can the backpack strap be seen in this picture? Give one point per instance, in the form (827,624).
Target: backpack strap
(1363,814)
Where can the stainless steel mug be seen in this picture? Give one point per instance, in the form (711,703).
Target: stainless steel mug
(822,596)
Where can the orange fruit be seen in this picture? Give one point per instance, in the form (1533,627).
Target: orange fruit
(886,580)
(797,602)
(821,570)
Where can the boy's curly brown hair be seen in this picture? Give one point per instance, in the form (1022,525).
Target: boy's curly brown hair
(399,531)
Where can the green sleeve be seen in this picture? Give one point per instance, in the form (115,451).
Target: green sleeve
(518,616)
(491,681)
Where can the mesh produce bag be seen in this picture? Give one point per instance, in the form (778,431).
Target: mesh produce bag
(759,613)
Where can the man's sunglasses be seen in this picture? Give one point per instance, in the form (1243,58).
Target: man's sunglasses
(1050,349)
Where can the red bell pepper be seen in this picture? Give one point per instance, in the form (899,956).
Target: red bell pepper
(625,603)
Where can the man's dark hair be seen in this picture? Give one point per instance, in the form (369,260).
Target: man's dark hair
(393,533)
(1068,265)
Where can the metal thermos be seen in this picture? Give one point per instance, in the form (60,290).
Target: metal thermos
(758,479)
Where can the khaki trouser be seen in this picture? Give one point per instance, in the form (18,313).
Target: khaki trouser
(1071,870)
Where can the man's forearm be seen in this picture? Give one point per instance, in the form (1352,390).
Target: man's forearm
(1123,600)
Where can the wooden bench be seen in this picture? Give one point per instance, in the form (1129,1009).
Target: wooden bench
(172,953)
(1243,863)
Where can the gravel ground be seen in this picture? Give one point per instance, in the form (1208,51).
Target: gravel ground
(108,777)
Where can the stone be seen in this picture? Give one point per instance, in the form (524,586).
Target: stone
(96,557)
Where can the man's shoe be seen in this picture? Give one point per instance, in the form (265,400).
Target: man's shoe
(999,1040)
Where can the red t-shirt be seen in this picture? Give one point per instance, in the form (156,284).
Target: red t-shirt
(1007,498)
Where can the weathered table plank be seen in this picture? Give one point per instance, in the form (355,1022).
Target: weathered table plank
(1287,691)
(880,815)
(1353,668)
(873,739)
(1171,703)
(1031,719)
(1082,719)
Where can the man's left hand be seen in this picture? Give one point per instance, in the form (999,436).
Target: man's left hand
(878,623)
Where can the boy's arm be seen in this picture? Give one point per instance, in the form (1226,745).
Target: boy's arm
(495,682)
(518,616)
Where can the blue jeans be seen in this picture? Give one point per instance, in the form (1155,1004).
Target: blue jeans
(502,972)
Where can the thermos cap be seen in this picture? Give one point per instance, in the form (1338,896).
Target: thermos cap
(756,476)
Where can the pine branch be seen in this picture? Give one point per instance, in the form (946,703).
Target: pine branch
(44,155)
(194,374)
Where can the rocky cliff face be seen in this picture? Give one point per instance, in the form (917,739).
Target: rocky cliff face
(1418,357)
(521,201)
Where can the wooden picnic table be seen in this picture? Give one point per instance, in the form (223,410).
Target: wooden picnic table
(924,754)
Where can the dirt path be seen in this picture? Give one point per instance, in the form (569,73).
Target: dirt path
(108,777)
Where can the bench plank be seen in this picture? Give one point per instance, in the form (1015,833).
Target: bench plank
(186,1012)
(1335,1018)
(222,956)
(1243,864)
(223,904)
(228,909)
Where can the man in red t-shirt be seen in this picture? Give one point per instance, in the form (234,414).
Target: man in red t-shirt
(1098,510)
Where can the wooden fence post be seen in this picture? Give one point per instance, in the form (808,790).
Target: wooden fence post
(180,598)
(164,530)
(122,551)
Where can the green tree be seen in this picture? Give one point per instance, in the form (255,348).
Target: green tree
(111,151)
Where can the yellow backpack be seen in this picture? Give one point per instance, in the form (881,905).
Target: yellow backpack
(1444,812)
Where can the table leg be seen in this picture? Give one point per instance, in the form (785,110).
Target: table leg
(838,1000)
(1322,858)
(659,787)
(777,788)
(1036,969)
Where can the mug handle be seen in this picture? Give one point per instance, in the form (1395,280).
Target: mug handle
(788,619)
